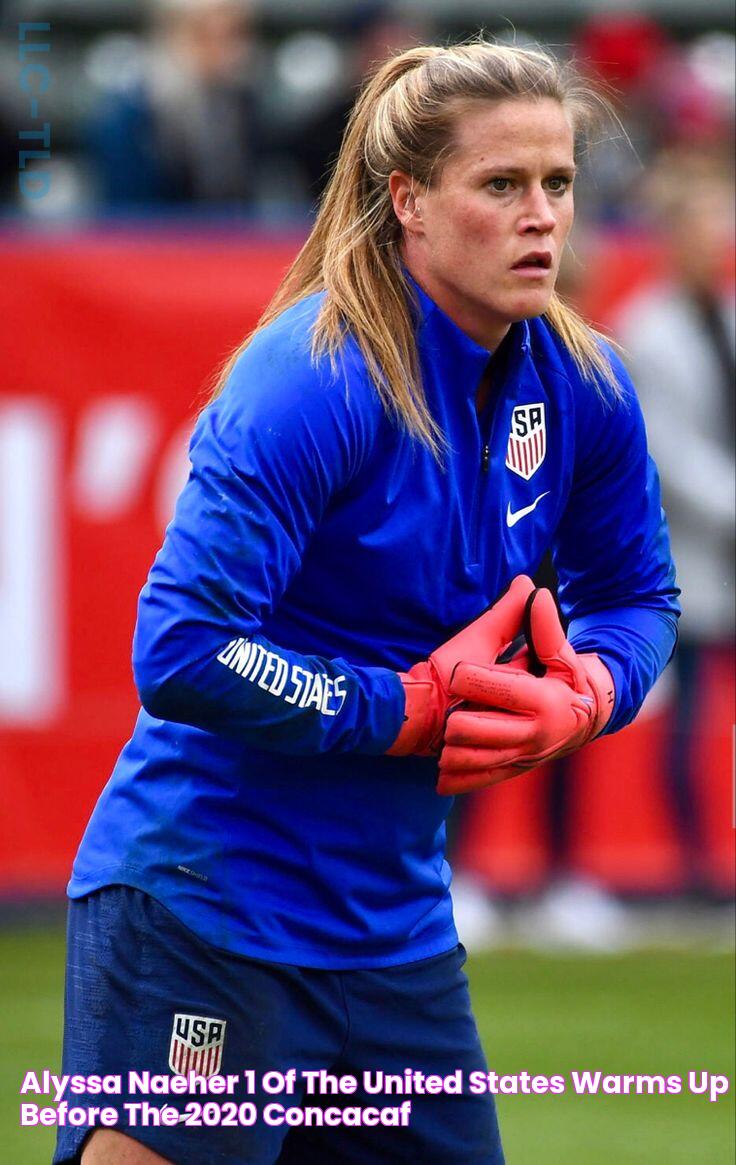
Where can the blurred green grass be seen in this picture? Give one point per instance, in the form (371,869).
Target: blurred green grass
(651,1012)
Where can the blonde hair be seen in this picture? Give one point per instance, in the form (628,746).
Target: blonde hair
(403,120)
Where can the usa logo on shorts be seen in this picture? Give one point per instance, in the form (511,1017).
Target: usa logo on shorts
(527,440)
(196,1044)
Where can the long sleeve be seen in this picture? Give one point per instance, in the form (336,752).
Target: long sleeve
(612,554)
(267,457)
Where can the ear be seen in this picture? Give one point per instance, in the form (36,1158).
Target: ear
(402,189)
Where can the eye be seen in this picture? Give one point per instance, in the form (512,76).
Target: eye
(559,183)
(500,185)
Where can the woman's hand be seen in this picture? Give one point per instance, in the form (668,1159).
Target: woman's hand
(511,720)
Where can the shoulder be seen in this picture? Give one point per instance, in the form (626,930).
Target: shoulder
(278,363)
(553,359)
(277,391)
(605,416)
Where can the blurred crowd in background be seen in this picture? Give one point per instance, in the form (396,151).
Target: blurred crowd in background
(216,108)
(226,106)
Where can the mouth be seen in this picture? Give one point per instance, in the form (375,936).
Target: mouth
(535,263)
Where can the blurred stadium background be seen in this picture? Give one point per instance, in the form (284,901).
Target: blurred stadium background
(182,145)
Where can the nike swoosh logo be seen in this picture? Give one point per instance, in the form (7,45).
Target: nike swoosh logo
(512,517)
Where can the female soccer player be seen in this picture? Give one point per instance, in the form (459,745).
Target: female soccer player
(414,423)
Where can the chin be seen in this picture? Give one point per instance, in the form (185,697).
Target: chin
(530,306)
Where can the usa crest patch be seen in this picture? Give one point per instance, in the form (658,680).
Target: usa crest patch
(527,445)
(196,1044)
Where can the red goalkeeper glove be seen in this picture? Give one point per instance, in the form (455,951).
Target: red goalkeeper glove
(518,720)
(427,684)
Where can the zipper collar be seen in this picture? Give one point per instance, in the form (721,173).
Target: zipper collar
(438,335)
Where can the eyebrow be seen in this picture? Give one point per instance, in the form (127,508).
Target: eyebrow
(515,171)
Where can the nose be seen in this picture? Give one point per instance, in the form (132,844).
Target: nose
(538,215)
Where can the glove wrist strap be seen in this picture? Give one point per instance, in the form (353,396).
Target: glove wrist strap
(602,686)
(420,727)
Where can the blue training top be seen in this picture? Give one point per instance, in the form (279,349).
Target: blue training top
(317,549)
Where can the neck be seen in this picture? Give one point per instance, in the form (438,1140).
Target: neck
(476,325)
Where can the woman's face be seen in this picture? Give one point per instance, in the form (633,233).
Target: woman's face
(486,239)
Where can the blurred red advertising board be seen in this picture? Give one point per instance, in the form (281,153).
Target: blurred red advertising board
(110,345)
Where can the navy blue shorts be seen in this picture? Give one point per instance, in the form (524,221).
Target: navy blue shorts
(145,994)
